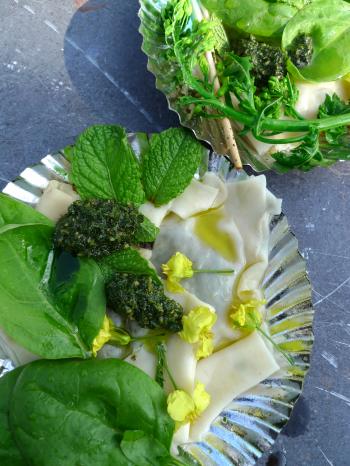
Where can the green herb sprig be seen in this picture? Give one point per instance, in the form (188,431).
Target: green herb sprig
(189,40)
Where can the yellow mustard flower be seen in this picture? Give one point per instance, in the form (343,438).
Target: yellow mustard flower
(184,408)
(178,267)
(197,325)
(110,333)
(104,335)
(247,315)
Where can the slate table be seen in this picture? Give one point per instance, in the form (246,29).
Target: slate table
(65,65)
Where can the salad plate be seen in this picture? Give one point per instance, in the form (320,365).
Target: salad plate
(249,425)
(227,70)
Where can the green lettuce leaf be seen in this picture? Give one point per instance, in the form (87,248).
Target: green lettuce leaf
(104,166)
(170,164)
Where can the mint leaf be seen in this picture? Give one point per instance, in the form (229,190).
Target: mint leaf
(169,165)
(104,166)
(146,233)
(127,261)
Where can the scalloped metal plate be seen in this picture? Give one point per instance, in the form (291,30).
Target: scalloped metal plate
(250,424)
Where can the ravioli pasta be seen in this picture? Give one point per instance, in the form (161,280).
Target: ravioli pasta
(233,235)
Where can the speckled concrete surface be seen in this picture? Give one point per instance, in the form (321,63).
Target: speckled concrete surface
(63,69)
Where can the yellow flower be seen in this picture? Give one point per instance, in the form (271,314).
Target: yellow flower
(110,333)
(184,408)
(103,336)
(197,327)
(247,316)
(179,266)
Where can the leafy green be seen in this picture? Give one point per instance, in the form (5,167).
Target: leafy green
(9,453)
(17,213)
(333,105)
(51,306)
(327,22)
(143,449)
(95,412)
(262,18)
(127,261)
(169,165)
(104,166)
(147,232)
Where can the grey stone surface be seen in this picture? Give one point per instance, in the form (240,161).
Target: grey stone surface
(63,69)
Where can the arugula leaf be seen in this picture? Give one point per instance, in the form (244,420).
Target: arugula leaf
(51,311)
(264,18)
(127,261)
(109,398)
(104,166)
(327,22)
(333,105)
(17,213)
(170,164)
(9,453)
(146,233)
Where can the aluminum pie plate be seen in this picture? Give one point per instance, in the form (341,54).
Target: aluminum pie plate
(250,424)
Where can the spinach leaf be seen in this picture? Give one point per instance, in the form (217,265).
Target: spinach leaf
(94,412)
(52,312)
(262,18)
(327,23)
(144,450)
(17,213)
(168,167)
(127,261)
(104,166)
(9,453)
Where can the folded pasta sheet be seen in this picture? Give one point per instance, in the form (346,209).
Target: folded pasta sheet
(229,373)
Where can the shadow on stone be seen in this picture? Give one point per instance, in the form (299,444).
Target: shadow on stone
(107,67)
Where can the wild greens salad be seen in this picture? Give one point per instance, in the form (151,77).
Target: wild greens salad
(277,73)
(137,286)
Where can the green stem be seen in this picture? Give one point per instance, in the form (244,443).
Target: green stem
(166,367)
(148,337)
(289,358)
(275,125)
(214,271)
